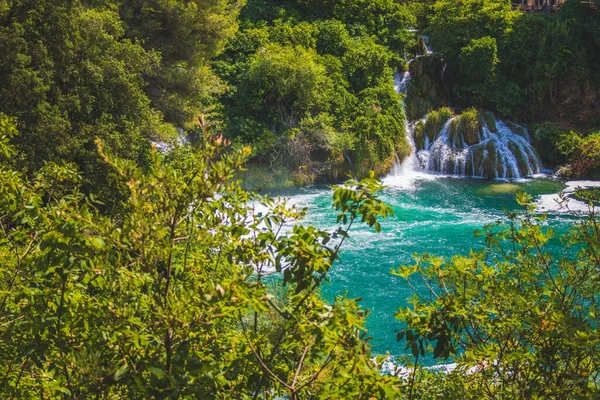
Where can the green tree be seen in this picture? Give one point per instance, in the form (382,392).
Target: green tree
(467,20)
(479,67)
(177,297)
(69,74)
(520,321)
(367,64)
(187,34)
(295,63)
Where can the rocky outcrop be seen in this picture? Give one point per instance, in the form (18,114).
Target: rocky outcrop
(426,91)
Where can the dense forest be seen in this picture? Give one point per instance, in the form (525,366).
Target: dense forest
(135,264)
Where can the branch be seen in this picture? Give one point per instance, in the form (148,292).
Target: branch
(259,358)
(300,366)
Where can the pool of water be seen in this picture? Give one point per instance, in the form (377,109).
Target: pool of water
(432,214)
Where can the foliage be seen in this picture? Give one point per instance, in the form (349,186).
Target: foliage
(435,120)
(576,152)
(517,63)
(478,66)
(519,321)
(186,34)
(299,62)
(467,20)
(585,158)
(172,299)
(380,122)
(556,144)
(74,70)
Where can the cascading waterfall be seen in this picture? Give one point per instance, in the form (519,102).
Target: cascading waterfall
(401,82)
(501,152)
(404,173)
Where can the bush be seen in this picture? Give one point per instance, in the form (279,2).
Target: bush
(502,312)
(171,297)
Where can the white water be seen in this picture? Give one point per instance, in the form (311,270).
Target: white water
(503,154)
(567,203)
(404,175)
(401,82)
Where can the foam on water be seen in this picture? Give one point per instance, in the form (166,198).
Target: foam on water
(553,203)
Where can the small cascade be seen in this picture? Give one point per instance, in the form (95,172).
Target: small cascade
(426,44)
(405,173)
(498,152)
(401,81)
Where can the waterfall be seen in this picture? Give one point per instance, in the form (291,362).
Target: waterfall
(500,150)
(405,173)
(482,146)
(426,43)
(495,152)
(401,82)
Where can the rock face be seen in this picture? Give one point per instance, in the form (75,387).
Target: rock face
(475,144)
(427,90)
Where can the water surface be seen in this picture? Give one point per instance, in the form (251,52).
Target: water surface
(432,214)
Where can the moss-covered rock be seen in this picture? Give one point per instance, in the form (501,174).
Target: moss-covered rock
(435,122)
(488,118)
(518,129)
(426,90)
(471,126)
(419,135)
(523,160)
(477,156)
(490,161)
(421,45)
(455,134)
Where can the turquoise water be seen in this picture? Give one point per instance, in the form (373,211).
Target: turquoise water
(435,214)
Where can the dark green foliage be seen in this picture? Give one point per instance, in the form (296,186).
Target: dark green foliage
(523,65)
(69,74)
(379,122)
(426,90)
(479,67)
(186,34)
(434,122)
(72,71)
(298,62)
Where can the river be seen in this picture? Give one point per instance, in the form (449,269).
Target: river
(434,214)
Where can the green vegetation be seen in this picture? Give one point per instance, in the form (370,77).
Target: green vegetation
(310,85)
(522,65)
(577,152)
(170,299)
(133,273)
(177,298)
(465,127)
(434,122)
(521,322)
(72,71)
